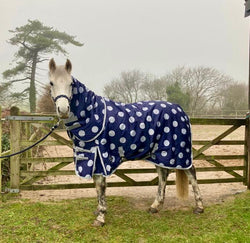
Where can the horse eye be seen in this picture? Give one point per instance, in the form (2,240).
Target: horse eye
(51,83)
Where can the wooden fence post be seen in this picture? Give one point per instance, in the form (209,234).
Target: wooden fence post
(15,136)
(0,149)
(247,151)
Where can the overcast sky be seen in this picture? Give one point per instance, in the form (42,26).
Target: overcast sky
(153,36)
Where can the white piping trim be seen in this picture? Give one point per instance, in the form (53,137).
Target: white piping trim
(103,166)
(167,167)
(103,125)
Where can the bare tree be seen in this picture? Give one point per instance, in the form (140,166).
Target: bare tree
(197,89)
(133,86)
(126,88)
(235,98)
(203,84)
(154,89)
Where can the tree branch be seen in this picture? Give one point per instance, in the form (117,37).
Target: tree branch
(42,60)
(19,80)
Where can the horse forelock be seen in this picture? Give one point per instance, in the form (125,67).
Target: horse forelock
(59,73)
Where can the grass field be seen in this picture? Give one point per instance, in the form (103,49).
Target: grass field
(71,221)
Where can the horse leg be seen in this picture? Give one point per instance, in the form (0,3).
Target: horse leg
(191,174)
(160,196)
(100,184)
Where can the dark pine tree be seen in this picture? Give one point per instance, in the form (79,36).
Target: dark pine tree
(35,42)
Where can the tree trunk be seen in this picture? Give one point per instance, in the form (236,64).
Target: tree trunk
(32,91)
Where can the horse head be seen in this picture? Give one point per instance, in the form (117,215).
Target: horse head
(61,87)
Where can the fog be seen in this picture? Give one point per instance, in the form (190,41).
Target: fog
(153,36)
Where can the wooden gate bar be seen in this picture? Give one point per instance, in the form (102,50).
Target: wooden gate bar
(59,138)
(34,179)
(216,163)
(119,184)
(215,140)
(124,177)
(218,121)
(38,160)
(224,142)
(128,171)
(220,157)
(33,176)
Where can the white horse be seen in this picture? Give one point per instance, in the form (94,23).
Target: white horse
(106,133)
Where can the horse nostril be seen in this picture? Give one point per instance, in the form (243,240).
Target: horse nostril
(63,111)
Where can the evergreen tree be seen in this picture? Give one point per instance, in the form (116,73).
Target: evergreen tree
(176,95)
(35,42)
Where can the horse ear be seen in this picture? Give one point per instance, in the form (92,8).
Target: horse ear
(68,66)
(52,65)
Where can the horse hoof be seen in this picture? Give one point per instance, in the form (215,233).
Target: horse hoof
(198,210)
(98,223)
(153,210)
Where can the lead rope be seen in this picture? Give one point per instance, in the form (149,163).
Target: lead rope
(33,145)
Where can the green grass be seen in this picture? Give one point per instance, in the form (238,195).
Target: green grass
(71,221)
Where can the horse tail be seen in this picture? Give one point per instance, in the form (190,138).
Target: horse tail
(182,184)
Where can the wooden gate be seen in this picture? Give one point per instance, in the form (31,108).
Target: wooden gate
(25,130)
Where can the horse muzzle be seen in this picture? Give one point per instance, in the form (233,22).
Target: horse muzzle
(62,106)
(63,113)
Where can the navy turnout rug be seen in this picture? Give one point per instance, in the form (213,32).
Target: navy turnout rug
(106,133)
